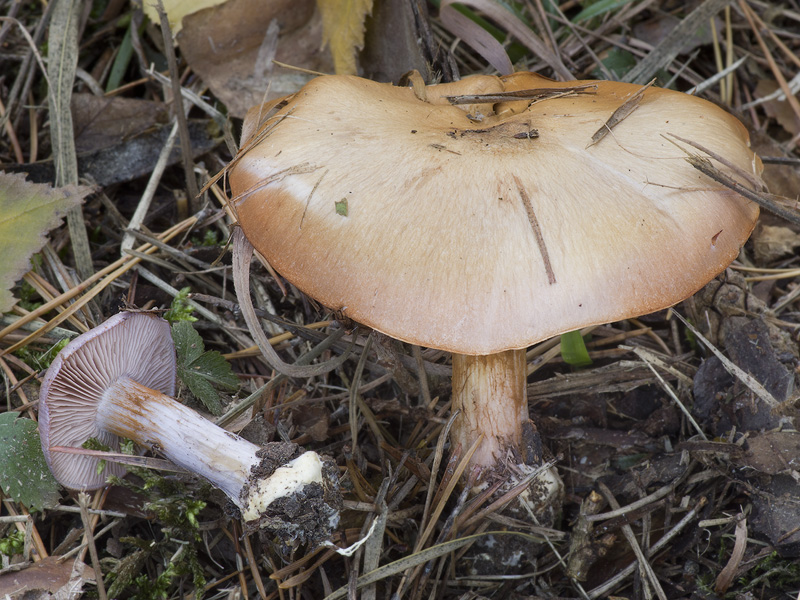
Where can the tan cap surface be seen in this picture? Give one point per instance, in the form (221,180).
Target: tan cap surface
(475,237)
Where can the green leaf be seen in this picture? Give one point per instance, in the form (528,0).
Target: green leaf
(618,61)
(199,369)
(24,475)
(599,8)
(573,349)
(27,212)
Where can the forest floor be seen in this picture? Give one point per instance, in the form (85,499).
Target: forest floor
(676,441)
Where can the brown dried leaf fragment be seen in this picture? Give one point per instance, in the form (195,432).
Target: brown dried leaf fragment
(620,114)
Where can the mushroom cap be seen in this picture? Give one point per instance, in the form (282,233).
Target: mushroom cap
(137,345)
(477,233)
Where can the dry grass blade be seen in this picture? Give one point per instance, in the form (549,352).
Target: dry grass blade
(648,575)
(531,94)
(649,359)
(180,116)
(511,23)
(83,502)
(451,478)
(355,401)
(240,407)
(63,60)
(747,379)
(633,506)
(509,495)
(408,496)
(242,255)
(776,71)
(727,575)
(603,590)
(149,192)
(419,558)
(477,37)
(102,278)
(620,114)
(148,462)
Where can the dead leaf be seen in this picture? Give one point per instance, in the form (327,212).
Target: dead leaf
(783,180)
(232,47)
(773,242)
(313,420)
(780,110)
(28,211)
(100,122)
(655,30)
(343,31)
(49,577)
(772,452)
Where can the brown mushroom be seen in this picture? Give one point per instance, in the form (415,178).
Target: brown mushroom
(116,381)
(485,227)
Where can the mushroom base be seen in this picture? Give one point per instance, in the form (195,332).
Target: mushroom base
(293,496)
(278,489)
(490,393)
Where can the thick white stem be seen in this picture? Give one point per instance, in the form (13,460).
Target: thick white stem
(159,422)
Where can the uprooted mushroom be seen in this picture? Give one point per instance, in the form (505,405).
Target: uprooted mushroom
(117,381)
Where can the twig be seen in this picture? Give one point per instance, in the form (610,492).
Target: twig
(531,94)
(603,590)
(764,200)
(180,115)
(83,503)
(648,573)
(619,512)
(747,379)
(150,191)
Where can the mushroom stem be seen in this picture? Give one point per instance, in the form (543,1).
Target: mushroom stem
(159,422)
(490,393)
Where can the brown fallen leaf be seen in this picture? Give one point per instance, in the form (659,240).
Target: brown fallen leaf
(48,576)
(101,122)
(780,110)
(234,48)
(772,452)
(771,242)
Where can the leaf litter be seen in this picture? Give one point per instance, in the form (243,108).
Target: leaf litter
(617,426)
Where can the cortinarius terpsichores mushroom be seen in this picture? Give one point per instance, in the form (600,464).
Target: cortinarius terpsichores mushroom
(486,227)
(117,381)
